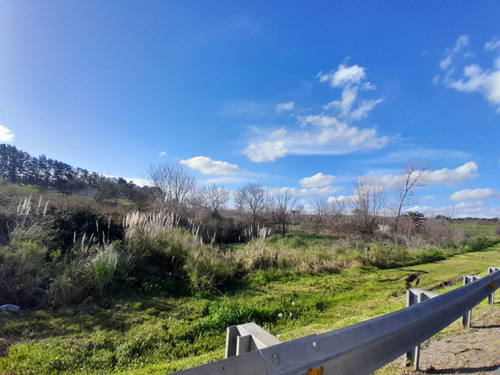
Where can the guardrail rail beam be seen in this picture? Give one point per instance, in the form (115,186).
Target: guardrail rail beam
(363,347)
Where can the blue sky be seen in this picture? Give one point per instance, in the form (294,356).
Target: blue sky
(304,95)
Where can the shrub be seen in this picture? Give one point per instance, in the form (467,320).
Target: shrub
(71,285)
(207,267)
(101,266)
(24,274)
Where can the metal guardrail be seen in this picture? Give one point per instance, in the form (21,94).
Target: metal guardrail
(364,347)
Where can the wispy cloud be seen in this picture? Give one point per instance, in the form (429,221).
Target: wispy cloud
(208,166)
(420,154)
(352,80)
(280,107)
(473,78)
(306,192)
(6,135)
(492,45)
(245,107)
(318,180)
(162,154)
(325,133)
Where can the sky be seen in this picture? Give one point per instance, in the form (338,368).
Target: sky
(304,96)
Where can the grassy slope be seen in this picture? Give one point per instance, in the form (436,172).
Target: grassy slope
(138,335)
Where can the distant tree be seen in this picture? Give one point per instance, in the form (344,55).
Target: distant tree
(367,203)
(321,207)
(173,185)
(416,217)
(252,198)
(214,197)
(281,207)
(413,178)
(338,207)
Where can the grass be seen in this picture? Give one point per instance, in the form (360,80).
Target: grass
(476,229)
(144,335)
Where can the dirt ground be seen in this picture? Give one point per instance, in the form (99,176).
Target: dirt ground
(463,351)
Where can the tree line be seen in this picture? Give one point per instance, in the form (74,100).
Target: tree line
(175,190)
(19,167)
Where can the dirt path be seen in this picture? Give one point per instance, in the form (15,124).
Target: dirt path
(467,351)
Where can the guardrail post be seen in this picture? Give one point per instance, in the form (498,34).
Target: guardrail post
(491,297)
(414,296)
(467,317)
(244,338)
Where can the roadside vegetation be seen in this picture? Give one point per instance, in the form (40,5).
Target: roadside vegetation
(122,279)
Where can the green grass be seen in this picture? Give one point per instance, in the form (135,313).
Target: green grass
(476,229)
(139,335)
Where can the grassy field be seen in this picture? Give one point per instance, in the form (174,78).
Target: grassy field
(145,335)
(476,229)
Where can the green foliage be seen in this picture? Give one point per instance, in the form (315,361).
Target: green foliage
(24,273)
(479,243)
(164,334)
(102,266)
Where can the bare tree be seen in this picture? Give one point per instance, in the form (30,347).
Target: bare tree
(413,178)
(321,208)
(282,205)
(214,197)
(173,185)
(252,198)
(367,203)
(338,207)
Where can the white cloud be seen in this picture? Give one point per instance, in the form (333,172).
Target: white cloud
(341,198)
(306,192)
(352,80)
(285,106)
(265,151)
(460,45)
(492,45)
(162,154)
(6,134)
(443,176)
(474,78)
(328,136)
(473,195)
(318,180)
(344,75)
(349,96)
(447,176)
(208,166)
(324,134)
(364,109)
(348,137)
(445,63)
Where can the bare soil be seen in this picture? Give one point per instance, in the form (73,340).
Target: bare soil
(474,350)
